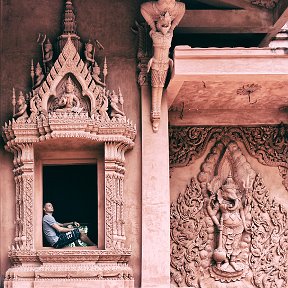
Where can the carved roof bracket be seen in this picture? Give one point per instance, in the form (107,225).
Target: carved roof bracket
(162,17)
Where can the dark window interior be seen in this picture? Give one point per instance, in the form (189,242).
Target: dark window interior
(72,189)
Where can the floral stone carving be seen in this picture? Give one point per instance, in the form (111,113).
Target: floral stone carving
(268,144)
(225,229)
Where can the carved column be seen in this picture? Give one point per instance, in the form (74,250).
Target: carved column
(155,183)
(24,179)
(114,195)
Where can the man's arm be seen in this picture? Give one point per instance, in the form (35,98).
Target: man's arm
(59,228)
(74,223)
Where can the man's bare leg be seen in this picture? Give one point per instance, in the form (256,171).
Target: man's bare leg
(84,238)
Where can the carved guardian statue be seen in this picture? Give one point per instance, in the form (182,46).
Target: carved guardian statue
(162,16)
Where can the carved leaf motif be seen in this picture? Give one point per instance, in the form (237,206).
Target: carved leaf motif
(268,144)
(188,235)
(268,259)
(187,144)
(110,187)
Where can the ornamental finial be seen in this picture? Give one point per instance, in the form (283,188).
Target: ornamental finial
(69,22)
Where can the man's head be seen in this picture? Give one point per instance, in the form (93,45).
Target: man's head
(48,208)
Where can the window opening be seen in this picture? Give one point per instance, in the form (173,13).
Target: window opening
(72,189)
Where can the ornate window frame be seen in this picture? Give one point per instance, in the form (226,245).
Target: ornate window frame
(98,121)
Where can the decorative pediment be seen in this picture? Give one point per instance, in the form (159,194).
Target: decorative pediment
(69,103)
(93,110)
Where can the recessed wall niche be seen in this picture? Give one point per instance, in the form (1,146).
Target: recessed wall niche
(71,176)
(73,191)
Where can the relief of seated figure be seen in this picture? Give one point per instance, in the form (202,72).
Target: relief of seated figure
(69,102)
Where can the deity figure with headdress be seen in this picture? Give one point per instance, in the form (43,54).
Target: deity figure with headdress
(152,10)
(69,102)
(22,108)
(48,56)
(89,54)
(225,207)
(162,16)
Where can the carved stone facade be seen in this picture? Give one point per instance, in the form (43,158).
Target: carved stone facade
(68,103)
(226,229)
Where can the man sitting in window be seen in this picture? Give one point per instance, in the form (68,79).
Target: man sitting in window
(60,235)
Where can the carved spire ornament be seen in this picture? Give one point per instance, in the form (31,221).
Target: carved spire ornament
(69,28)
(69,22)
(68,102)
(162,16)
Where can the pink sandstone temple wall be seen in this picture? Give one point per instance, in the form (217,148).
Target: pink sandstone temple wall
(21,21)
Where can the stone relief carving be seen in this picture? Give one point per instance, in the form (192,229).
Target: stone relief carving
(162,17)
(152,10)
(225,229)
(144,51)
(68,100)
(159,64)
(231,224)
(269,4)
(268,144)
(21,115)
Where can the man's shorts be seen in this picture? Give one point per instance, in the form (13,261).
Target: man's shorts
(67,238)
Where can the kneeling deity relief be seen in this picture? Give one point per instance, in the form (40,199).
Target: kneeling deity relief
(226,230)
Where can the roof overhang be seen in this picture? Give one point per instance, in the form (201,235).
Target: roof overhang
(228,86)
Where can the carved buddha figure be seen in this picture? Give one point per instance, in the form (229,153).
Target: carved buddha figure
(226,210)
(69,101)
